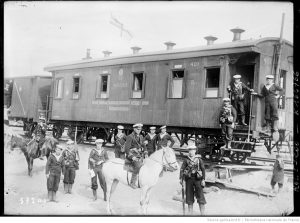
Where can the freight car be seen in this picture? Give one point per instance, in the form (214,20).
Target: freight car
(180,88)
(27,98)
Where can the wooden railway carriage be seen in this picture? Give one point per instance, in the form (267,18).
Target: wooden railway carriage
(180,88)
(28,99)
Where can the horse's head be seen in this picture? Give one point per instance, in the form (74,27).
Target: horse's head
(49,145)
(169,159)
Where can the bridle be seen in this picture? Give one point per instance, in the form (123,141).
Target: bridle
(162,161)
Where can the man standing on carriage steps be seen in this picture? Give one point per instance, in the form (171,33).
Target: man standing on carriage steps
(237,88)
(39,134)
(163,138)
(120,140)
(193,173)
(134,148)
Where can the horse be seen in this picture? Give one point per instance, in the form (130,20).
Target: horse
(114,172)
(29,148)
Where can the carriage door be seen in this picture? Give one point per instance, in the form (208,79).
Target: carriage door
(247,72)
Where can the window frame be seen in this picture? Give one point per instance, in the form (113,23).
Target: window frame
(143,85)
(79,88)
(98,86)
(205,82)
(56,86)
(170,83)
(282,73)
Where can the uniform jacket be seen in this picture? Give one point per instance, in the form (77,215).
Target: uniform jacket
(40,131)
(53,165)
(225,113)
(163,141)
(151,146)
(134,141)
(95,157)
(69,157)
(237,89)
(120,141)
(271,93)
(190,166)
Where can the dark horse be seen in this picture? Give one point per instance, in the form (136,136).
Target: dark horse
(29,147)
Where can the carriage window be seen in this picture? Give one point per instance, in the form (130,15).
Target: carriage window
(59,88)
(212,82)
(103,86)
(138,85)
(76,87)
(176,84)
(282,83)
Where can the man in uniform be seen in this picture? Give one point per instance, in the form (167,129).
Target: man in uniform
(193,173)
(269,92)
(163,138)
(71,158)
(96,159)
(39,134)
(120,140)
(134,148)
(237,89)
(150,141)
(227,119)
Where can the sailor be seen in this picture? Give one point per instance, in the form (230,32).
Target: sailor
(120,140)
(193,173)
(163,138)
(39,135)
(134,148)
(227,119)
(237,89)
(150,140)
(96,159)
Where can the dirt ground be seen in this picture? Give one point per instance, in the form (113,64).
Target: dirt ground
(26,195)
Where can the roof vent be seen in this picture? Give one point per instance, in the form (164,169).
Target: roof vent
(88,54)
(237,33)
(135,49)
(210,39)
(106,53)
(170,45)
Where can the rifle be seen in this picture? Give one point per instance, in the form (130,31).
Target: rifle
(76,144)
(183,200)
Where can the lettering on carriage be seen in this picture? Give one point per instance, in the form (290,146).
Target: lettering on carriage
(111,108)
(178,66)
(135,103)
(145,102)
(195,64)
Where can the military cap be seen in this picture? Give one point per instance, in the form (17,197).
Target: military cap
(269,77)
(137,125)
(121,127)
(192,147)
(237,76)
(226,99)
(59,147)
(99,141)
(152,128)
(42,118)
(163,127)
(70,142)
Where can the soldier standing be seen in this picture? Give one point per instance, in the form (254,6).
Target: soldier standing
(237,89)
(227,119)
(54,167)
(134,149)
(150,140)
(120,140)
(96,159)
(71,158)
(39,134)
(193,173)
(163,138)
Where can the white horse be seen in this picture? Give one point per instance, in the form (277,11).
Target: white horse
(113,171)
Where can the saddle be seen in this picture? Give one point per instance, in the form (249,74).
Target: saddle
(128,165)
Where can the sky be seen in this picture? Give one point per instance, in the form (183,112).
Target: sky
(37,34)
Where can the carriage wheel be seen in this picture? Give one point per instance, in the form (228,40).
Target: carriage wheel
(238,157)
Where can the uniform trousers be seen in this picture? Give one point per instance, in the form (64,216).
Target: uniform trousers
(271,109)
(98,172)
(53,181)
(194,189)
(227,131)
(239,106)
(69,175)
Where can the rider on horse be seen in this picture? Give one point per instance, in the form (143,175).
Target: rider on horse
(39,134)
(134,148)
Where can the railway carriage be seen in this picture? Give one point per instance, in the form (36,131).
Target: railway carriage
(180,88)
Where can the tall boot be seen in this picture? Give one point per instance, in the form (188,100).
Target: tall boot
(65,188)
(190,209)
(70,188)
(243,120)
(133,181)
(95,195)
(202,209)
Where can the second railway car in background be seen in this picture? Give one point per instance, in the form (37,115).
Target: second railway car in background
(180,88)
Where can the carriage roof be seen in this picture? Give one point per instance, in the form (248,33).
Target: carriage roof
(240,46)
